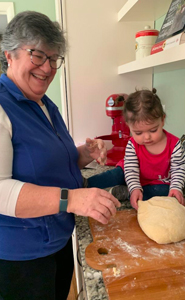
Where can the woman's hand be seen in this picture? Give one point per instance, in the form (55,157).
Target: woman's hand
(178,195)
(134,197)
(92,149)
(97,150)
(92,202)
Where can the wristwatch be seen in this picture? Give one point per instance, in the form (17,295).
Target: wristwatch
(63,200)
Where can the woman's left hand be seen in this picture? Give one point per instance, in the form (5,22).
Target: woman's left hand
(97,150)
(178,195)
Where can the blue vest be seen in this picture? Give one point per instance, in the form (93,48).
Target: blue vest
(44,155)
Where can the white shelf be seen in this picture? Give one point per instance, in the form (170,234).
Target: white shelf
(150,10)
(168,60)
(143,10)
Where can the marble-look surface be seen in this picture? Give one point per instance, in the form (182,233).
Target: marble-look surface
(93,280)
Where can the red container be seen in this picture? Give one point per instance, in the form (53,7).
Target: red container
(145,39)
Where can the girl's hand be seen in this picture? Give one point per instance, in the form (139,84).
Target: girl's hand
(92,202)
(134,197)
(178,195)
(97,150)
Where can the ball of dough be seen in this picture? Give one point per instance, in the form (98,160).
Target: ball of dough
(162,219)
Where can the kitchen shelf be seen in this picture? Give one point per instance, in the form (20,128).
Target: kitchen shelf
(143,10)
(168,60)
(150,10)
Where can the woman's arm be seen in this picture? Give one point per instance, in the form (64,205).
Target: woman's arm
(26,200)
(9,188)
(36,201)
(19,199)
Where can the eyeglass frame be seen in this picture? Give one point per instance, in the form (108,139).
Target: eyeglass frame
(47,57)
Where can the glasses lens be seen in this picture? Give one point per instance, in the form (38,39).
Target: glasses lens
(38,57)
(56,62)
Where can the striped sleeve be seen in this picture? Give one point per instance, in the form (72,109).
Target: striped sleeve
(131,168)
(177,167)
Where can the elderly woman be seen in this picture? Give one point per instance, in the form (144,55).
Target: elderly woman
(40,178)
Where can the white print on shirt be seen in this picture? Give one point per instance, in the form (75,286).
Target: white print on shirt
(165,179)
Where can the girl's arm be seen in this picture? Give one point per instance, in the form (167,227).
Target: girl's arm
(131,168)
(177,170)
(132,175)
(177,167)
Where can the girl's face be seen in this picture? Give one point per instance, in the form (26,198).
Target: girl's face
(148,134)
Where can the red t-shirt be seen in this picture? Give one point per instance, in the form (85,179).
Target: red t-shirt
(154,168)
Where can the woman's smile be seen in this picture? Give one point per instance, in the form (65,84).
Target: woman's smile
(39,76)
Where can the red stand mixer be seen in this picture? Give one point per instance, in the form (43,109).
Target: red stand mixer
(120,131)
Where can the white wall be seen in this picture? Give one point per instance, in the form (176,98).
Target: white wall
(97,45)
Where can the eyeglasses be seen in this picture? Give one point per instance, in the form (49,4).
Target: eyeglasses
(38,58)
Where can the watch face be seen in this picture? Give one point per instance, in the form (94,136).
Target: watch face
(64,194)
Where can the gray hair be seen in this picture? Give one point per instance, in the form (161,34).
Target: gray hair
(31,27)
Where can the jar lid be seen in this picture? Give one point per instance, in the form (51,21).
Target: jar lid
(147,32)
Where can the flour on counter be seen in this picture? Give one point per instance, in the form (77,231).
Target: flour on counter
(132,250)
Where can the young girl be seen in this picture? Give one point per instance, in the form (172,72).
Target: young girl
(154,162)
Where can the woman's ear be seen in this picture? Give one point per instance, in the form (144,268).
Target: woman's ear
(8,57)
